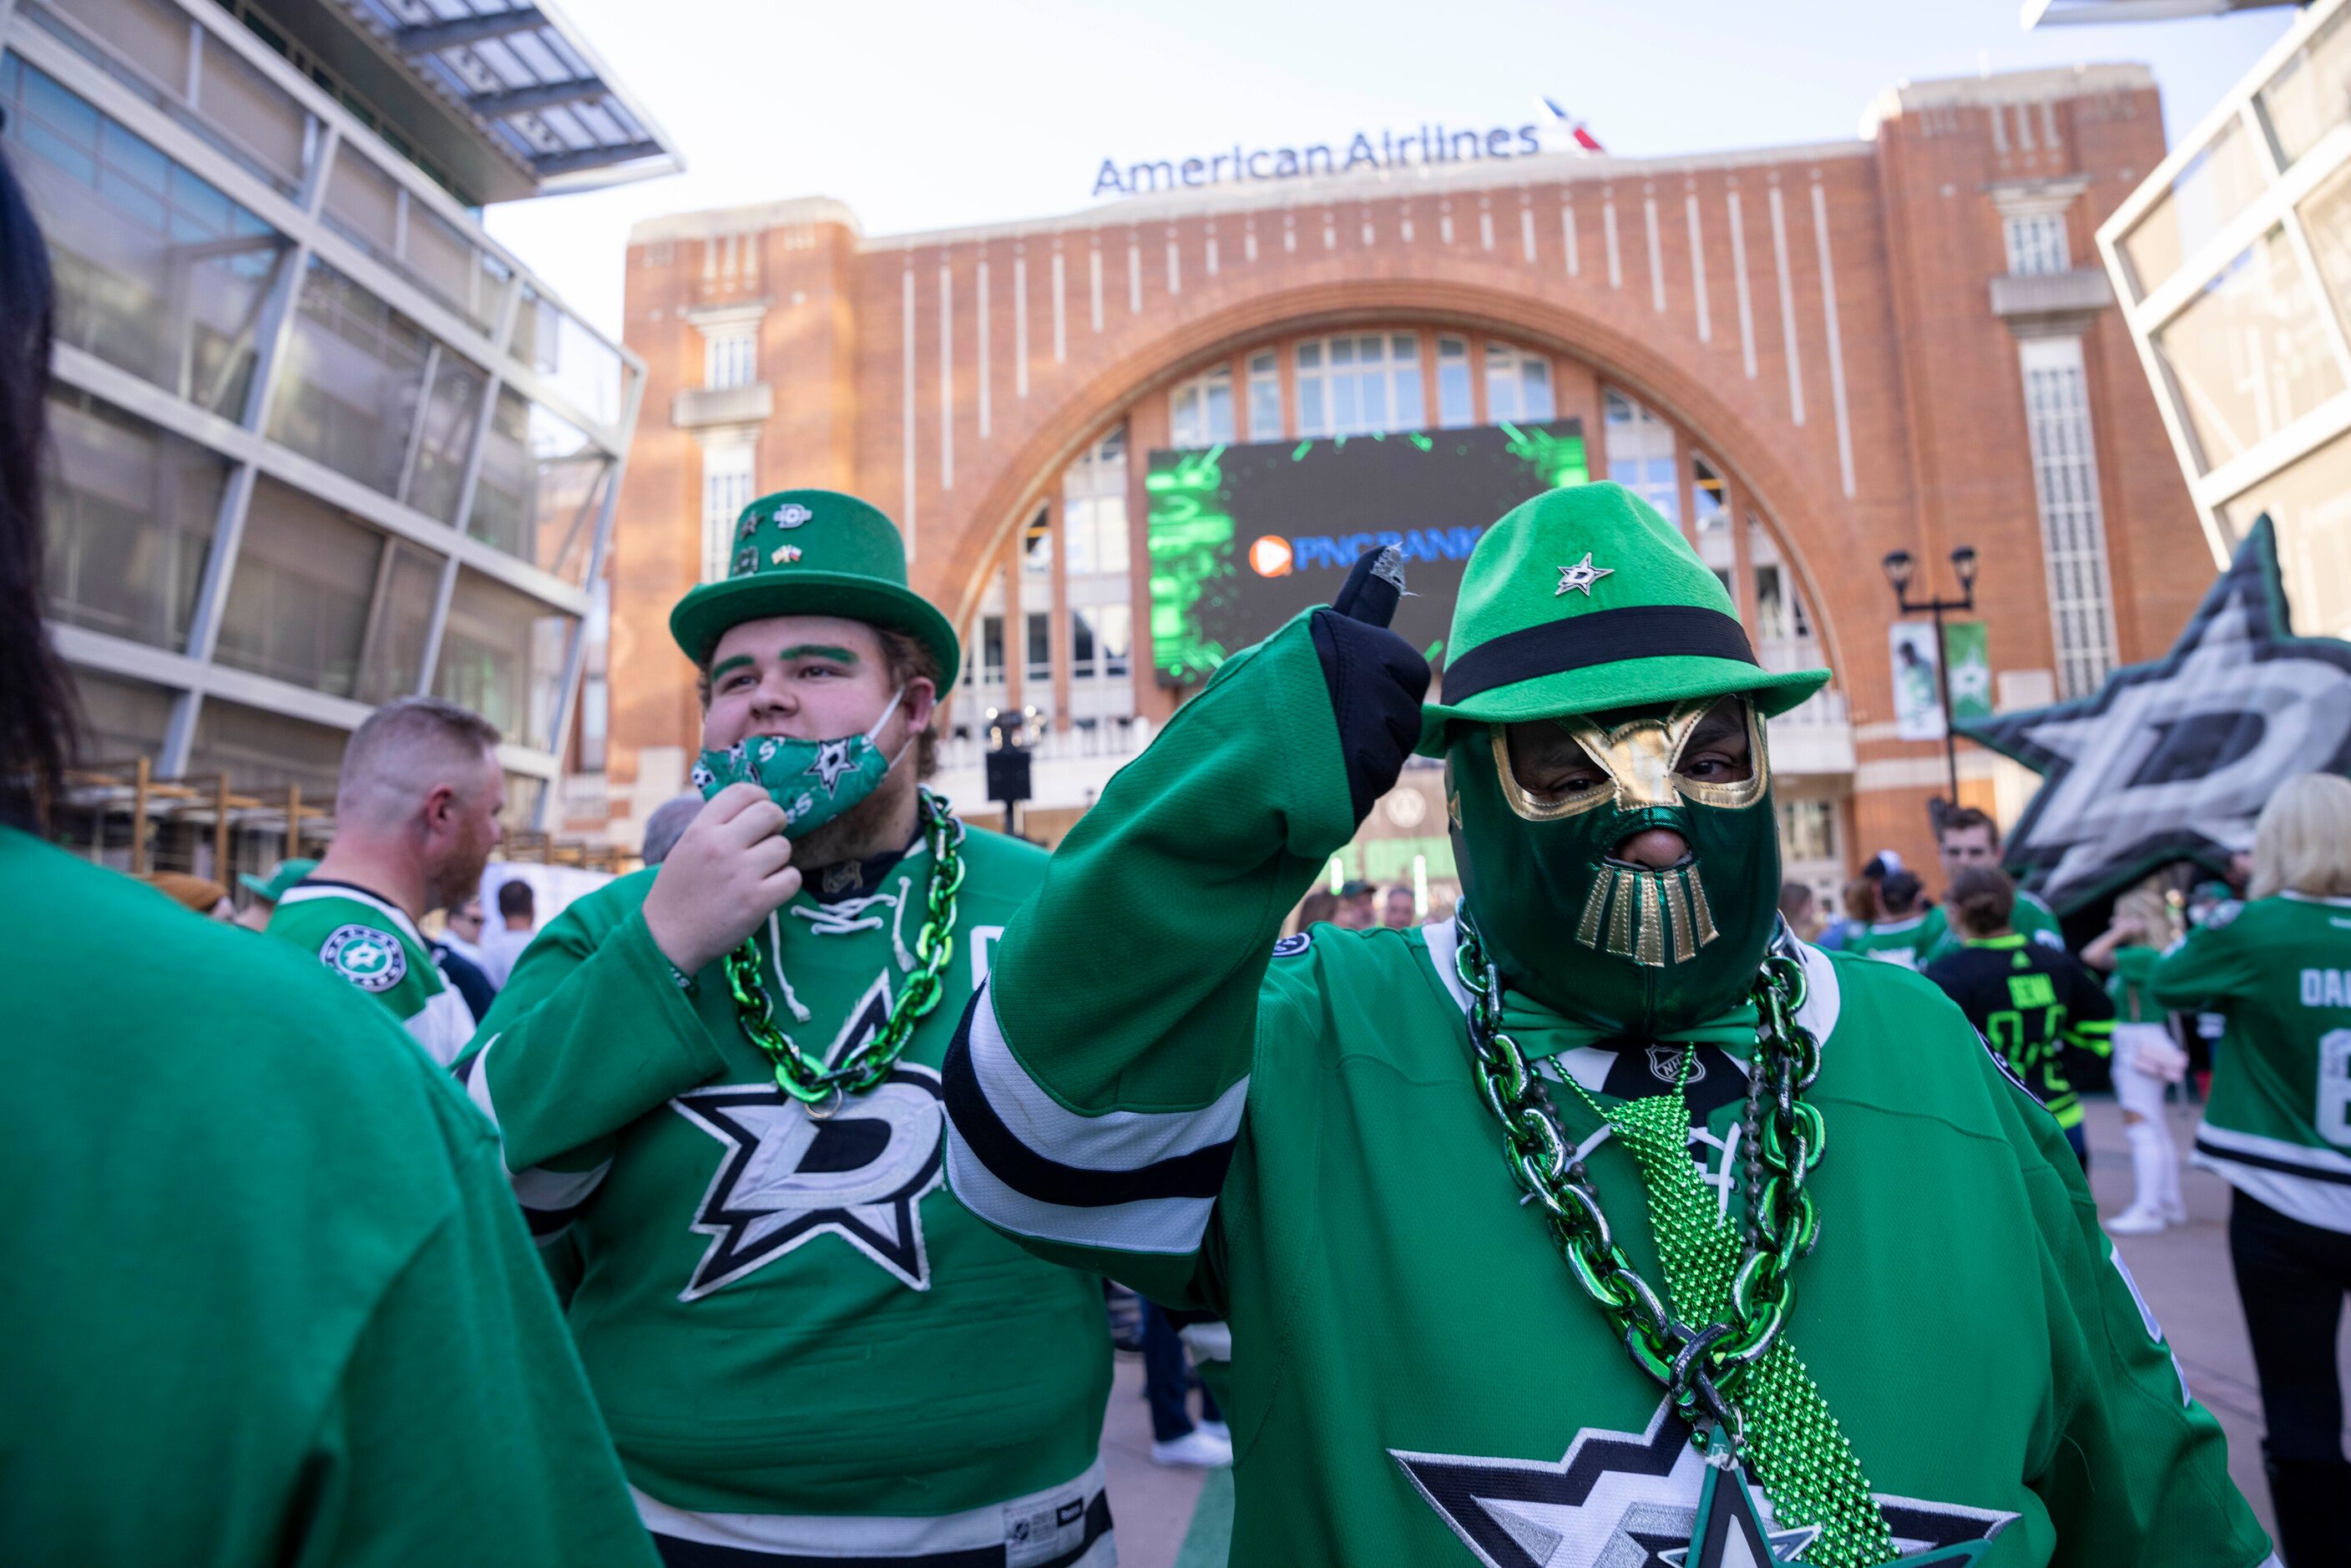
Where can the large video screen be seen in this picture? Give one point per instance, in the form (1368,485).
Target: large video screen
(1243,538)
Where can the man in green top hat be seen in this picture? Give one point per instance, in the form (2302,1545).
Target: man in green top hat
(718,1083)
(1604,1223)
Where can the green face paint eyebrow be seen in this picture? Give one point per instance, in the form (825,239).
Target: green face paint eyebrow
(740,661)
(818,651)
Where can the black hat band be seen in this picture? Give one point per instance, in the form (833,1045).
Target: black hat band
(1601,637)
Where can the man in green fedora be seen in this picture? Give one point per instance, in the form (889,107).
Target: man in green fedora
(718,1082)
(1605,1223)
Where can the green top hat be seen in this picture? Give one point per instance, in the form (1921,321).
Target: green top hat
(814,552)
(1585,599)
(273,887)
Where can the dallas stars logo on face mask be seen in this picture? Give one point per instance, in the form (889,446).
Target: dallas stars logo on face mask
(832,760)
(1649,1500)
(2175,759)
(787,1178)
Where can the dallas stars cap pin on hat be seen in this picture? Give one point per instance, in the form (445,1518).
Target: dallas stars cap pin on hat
(814,552)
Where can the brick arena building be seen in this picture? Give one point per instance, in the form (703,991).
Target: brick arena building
(1807,356)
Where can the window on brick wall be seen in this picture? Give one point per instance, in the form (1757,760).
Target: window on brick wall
(1200,412)
(2073,526)
(1518,384)
(2036,244)
(725,491)
(730,357)
(1359,383)
(1455,405)
(1265,397)
(1641,455)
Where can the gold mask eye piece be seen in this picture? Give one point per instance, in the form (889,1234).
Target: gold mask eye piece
(1640,759)
(1733,794)
(1545,807)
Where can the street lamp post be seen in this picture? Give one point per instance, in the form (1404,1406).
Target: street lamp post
(1900,566)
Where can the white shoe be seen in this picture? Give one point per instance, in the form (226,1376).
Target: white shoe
(2136,1221)
(1218,1430)
(1198,1448)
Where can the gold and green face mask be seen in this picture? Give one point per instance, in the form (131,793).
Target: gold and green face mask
(1619,945)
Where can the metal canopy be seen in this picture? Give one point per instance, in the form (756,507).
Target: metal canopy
(527,78)
(2075,13)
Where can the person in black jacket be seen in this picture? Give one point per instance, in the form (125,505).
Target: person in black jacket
(2029,999)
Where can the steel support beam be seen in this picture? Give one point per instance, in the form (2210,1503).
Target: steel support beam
(430,38)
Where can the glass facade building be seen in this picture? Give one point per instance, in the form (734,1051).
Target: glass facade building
(318,440)
(2233,262)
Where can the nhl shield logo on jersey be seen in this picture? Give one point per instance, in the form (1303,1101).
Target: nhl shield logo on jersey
(1634,1500)
(368,958)
(787,1177)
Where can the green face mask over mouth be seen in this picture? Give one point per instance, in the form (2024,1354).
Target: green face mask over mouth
(1623,947)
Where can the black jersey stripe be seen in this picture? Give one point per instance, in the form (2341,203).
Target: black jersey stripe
(1198,1174)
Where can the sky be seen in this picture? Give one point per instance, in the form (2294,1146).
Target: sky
(926,114)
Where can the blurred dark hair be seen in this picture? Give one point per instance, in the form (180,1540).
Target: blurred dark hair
(1982,900)
(1861,899)
(1899,893)
(1318,905)
(1967,818)
(36,700)
(1796,899)
(516,898)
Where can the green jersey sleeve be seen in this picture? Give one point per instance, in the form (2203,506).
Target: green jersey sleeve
(591,1031)
(372,945)
(464,1389)
(1098,1086)
(2209,969)
(2131,1468)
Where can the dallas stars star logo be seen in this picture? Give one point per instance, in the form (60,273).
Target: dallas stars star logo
(2173,760)
(832,761)
(1582,576)
(1649,1500)
(787,1178)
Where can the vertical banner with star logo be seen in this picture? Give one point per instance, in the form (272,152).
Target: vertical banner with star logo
(1966,654)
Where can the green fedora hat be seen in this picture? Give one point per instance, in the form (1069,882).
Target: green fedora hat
(814,552)
(274,887)
(1586,598)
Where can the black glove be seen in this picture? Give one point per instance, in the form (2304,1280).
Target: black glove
(1376,678)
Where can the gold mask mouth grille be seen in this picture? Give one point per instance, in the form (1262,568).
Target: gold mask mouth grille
(1653,917)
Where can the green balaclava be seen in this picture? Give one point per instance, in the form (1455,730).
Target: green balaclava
(1586,608)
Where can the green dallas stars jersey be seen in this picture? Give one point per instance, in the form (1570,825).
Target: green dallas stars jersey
(1286,1133)
(1888,941)
(372,943)
(268,1301)
(801,1342)
(2278,1124)
(2029,1002)
(2031,918)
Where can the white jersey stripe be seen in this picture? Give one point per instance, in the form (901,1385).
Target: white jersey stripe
(865,1536)
(1113,1141)
(2226,1140)
(553,1190)
(1160,1225)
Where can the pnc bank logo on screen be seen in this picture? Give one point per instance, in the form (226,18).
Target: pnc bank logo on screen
(1272,556)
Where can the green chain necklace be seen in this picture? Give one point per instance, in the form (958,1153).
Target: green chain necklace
(1719,1352)
(803,1076)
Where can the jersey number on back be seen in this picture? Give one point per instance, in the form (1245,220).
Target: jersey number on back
(2334,1109)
